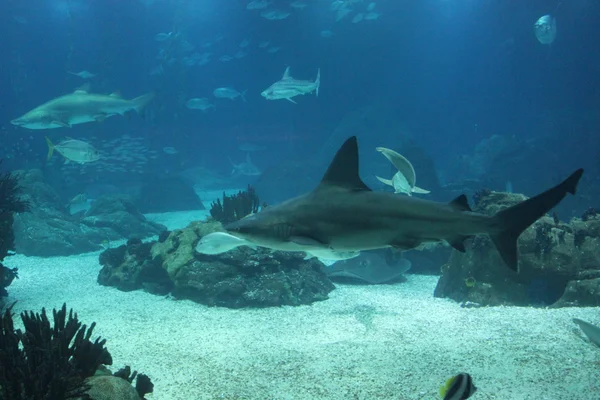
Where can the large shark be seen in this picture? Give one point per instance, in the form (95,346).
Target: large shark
(343,214)
(79,107)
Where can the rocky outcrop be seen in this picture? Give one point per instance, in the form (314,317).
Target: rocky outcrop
(49,230)
(559,263)
(235,279)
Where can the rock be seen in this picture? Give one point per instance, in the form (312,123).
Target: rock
(238,278)
(119,214)
(167,194)
(559,263)
(108,387)
(49,230)
(131,267)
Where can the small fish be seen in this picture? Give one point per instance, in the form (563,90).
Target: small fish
(357,18)
(273,49)
(372,16)
(257,4)
(244,43)
(74,150)
(275,15)
(459,387)
(225,58)
(199,104)
(161,37)
(371,6)
(83,74)
(220,242)
(545,29)
(170,150)
(264,44)
(288,87)
(326,34)
(298,4)
(228,93)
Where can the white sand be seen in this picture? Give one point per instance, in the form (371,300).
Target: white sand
(365,342)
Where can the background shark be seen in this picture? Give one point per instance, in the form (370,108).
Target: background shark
(79,107)
(343,214)
(288,87)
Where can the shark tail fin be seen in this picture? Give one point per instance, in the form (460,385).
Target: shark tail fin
(139,103)
(50,148)
(511,222)
(318,82)
(243,95)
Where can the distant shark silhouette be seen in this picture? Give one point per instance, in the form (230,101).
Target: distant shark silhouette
(343,214)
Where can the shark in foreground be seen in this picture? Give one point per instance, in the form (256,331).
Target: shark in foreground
(343,214)
(288,87)
(79,107)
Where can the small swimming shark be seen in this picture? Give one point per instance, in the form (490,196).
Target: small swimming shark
(288,87)
(246,168)
(79,107)
(343,214)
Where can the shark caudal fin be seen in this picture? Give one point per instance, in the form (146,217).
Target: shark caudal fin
(514,220)
(139,103)
(50,148)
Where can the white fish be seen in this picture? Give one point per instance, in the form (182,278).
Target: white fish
(326,34)
(201,103)
(275,15)
(264,44)
(83,74)
(545,29)
(371,16)
(288,87)
(228,93)
(170,150)
(246,168)
(298,4)
(220,242)
(257,4)
(403,181)
(74,150)
(225,58)
(371,6)
(357,18)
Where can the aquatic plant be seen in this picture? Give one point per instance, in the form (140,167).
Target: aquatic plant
(235,207)
(590,213)
(48,362)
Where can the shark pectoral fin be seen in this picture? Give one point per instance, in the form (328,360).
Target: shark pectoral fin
(418,190)
(385,181)
(307,241)
(61,123)
(458,242)
(288,99)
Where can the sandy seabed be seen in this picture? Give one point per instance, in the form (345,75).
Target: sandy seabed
(365,342)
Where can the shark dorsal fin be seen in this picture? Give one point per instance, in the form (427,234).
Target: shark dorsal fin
(343,170)
(460,203)
(116,93)
(286,74)
(85,88)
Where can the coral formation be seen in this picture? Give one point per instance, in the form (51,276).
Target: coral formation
(235,207)
(60,362)
(45,362)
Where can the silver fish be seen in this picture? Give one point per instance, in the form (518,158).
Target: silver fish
(74,150)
